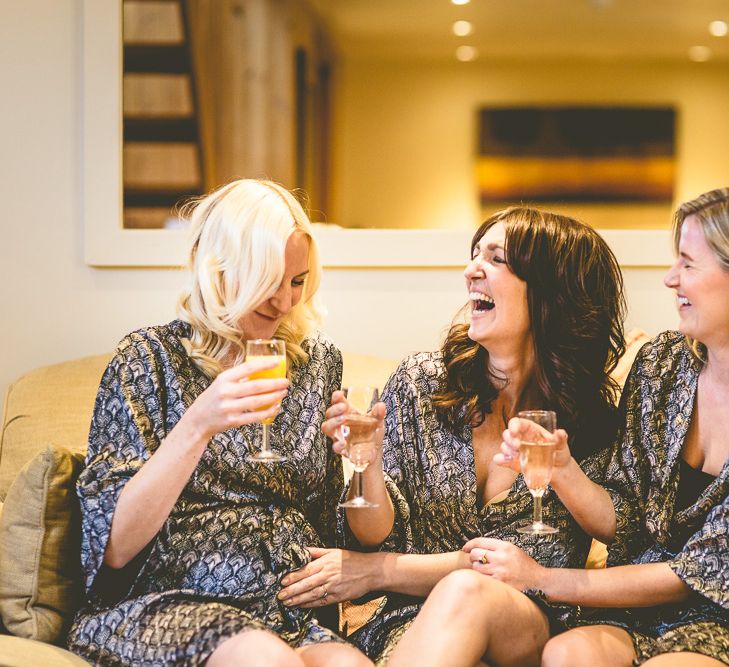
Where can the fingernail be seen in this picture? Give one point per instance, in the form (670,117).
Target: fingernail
(285,581)
(287,603)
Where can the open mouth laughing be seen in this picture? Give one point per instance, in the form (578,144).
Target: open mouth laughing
(481,302)
(682,301)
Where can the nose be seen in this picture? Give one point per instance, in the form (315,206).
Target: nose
(281,300)
(473,270)
(670,280)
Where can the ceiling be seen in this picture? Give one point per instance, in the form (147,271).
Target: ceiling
(525,29)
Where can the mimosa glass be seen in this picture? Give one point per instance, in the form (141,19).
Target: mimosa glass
(261,348)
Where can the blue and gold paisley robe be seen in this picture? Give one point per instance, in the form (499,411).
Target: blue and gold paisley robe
(659,399)
(431,477)
(214,568)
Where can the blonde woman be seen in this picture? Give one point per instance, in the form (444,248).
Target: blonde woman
(184,540)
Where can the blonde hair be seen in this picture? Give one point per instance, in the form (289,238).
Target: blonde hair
(711,210)
(237,261)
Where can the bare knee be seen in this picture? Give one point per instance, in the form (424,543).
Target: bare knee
(681,658)
(595,646)
(464,594)
(333,654)
(254,648)
(557,651)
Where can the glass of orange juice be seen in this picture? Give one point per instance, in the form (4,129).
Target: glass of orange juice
(272,349)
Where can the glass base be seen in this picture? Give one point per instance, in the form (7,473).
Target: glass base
(537,529)
(266,456)
(357,502)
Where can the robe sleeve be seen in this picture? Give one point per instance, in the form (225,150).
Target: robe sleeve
(703,563)
(398,398)
(321,507)
(627,476)
(123,435)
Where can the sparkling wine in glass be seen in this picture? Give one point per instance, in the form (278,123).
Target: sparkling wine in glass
(536,457)
(262,348)
(359,431)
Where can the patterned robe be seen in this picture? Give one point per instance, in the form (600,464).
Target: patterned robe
(214,568)
(431,478)
(659,399)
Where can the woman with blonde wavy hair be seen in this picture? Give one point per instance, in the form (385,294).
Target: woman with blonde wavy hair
(184,538)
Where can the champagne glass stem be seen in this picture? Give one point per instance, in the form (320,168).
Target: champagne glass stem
(264,442)
(537,517)
(357,484)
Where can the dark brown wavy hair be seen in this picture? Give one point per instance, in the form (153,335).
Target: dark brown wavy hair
(576,309)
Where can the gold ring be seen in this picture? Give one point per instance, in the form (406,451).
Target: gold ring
(485,558)
(325,594)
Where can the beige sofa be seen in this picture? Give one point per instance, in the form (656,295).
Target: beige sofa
(39,569)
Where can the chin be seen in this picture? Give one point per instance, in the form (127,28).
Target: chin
(475,336)
(688,331)
(472,334)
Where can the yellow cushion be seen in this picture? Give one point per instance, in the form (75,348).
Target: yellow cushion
(49,404)
(597,557)
(634,340)
(40,537)
(16,652)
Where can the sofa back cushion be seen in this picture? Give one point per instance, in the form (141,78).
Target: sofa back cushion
(49,404)
(40,539)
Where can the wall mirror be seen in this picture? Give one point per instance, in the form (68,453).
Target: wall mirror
(374,108)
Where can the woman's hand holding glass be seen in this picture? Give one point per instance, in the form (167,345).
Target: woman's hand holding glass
(523,429)
(355,423)
(534,446)
(233,400)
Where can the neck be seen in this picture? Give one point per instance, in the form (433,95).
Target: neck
(717,365)
(518,391)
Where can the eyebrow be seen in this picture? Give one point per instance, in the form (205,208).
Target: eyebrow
(302,274)
(685,255)
(494,246)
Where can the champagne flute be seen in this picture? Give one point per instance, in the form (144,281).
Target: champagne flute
(262,348)
(536,457)
(359,431)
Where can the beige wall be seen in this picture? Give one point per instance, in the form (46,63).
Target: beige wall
(406,135)
(55,307)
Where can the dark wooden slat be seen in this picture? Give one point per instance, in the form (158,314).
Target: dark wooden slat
(153,197)
(156,59)
(160,129)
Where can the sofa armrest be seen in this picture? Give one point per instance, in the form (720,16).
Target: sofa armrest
(17,652)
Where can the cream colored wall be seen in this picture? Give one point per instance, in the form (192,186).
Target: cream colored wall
(406,135)
(55,307)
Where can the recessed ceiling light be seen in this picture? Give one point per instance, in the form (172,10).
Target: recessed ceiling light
(462,28)
(466,53)
(699,54)
(718,28)
(460,2)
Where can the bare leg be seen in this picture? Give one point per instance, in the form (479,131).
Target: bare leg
(682,659)
(469,616)
(594,645)
(254,648)
(333,654)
